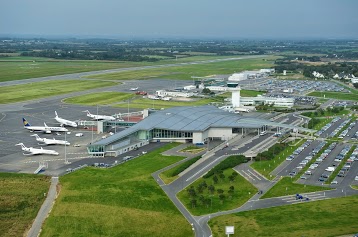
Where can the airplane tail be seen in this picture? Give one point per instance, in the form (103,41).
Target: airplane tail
(26,124)
(45,124)
(87,111)
(22,145)
(56,114)
(35,135)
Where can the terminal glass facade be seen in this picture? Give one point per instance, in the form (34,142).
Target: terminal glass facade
(163,133)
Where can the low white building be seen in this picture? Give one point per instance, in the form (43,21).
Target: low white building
(190,87)
(164,93)
(218,88)
(354,80)
(277,102)
(317,74)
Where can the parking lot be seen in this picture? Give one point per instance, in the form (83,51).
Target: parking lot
(301,86)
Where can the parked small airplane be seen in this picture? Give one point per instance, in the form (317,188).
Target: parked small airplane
(36,151)
(46,141)
(99,117)
(134,89)
(65,121)
(45,128)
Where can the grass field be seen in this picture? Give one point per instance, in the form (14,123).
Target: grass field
(100,98)
(11,94)
(265,167)
(120,201)
(333,217)
(185,72)
(21,196)
(19,67)
(286,186)
(335,95)
(244,190)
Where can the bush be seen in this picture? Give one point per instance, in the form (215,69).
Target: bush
(229,162)
(271,152)
(184,166)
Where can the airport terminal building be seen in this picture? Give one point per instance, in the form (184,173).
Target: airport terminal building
(180,124)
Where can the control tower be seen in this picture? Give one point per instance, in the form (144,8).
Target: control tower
(235,97)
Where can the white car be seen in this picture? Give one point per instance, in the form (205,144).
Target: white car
(330,169)
(356,178)
(334,182)
(79,135)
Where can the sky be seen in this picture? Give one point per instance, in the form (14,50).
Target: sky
(234,19)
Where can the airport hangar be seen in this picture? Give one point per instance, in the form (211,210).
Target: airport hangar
(195,125)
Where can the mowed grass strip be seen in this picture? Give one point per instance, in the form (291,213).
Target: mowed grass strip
(100,98)
(144,103)
(186,71)
(21,196)
(332,217)
(286,186)
(121,201)
(37,90)
(243,191)
(335,95)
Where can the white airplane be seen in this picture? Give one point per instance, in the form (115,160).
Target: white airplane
(45,129)
(134,89)
(65,121)
(99,117)
(36,151)
(46,141)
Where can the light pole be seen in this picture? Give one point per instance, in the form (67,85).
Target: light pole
(66,161)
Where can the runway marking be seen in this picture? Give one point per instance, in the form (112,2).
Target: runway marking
(74,158)
(253,174)
(202,169)
(246,175)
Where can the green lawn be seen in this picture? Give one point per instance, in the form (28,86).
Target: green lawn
(286,186)
(120,201)
(326,113)
(332,217)
(265,167)
(21,196)
(37,90)
(335,95)
(100,98)
(185,72)
(170,175)
(243,191)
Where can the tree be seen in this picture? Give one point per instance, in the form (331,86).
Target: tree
(231,178)
(222,197)
(222,176)
(206,91)
(211,188)
(355,85)
(191,192)
(202,199)
(215,179)
(193,203)
(220,191)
